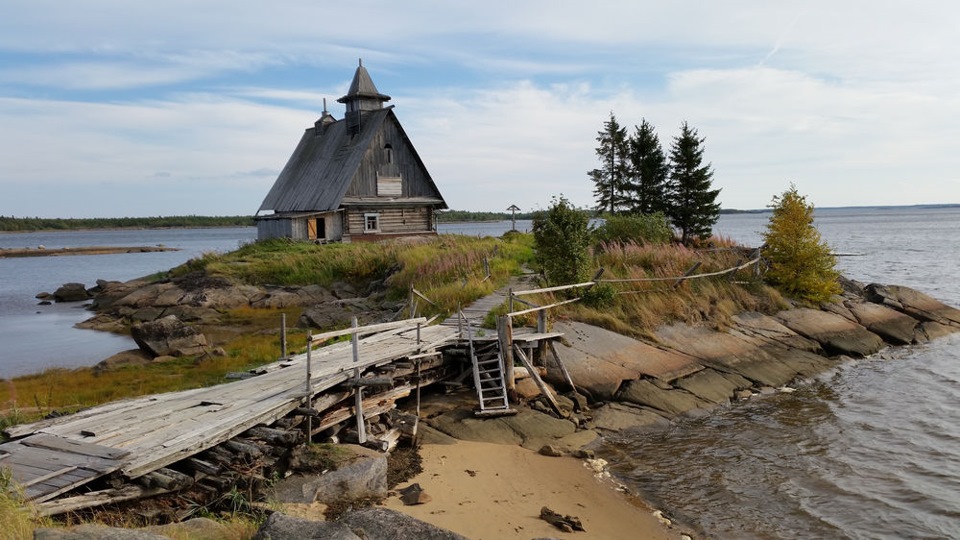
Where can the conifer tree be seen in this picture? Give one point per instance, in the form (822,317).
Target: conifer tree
(647,176)
(692,205)
(801,263)
(609,179)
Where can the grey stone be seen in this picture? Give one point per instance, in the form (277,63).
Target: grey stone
(168,336)
(364,475)
(71,292)
(133,357)
(550,450)
(95,532)
(195,529)
(283,527)
(377,523)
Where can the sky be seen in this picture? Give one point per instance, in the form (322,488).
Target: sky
(118,108)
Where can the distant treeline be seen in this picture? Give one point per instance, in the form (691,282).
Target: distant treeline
(447,216)
(54,224)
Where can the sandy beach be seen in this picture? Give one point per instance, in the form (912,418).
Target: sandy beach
(491,491)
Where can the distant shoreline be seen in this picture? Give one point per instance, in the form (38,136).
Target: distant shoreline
(40,225)
(85,250)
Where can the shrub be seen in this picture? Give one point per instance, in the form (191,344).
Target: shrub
(561,242)
(801,264)
(599,296)
(637,228)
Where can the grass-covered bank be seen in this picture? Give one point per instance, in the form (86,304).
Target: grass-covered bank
(450,270)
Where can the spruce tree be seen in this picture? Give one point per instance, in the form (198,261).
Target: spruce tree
(692,206)
(609,179)
(801,264)
(648,171)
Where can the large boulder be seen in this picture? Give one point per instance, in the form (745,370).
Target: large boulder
(359,475)
(168,336)
(72,292)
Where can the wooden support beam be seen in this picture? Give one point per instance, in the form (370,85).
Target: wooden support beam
(544,389)
(97,498)
(563,368)
(505,336)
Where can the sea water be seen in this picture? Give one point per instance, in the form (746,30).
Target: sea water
(868,450)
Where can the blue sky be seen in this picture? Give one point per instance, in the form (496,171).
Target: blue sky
(119,108)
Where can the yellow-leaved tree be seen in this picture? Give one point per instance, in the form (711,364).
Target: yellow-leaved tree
(801,263)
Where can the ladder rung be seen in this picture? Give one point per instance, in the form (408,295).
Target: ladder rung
(489,361)
(485,371)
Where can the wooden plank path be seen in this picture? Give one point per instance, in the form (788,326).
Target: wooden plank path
(476,312)
(141,435)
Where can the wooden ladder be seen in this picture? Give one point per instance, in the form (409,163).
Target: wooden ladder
(488,377)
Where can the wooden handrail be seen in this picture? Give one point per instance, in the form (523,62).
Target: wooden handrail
(369,329)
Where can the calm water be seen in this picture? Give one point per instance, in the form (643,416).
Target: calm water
(871,450)
(34,337)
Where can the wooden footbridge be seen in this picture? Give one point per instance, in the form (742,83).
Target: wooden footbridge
(137,448)
(136,437)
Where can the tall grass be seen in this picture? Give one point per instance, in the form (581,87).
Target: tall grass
(449,269)
(17,519)
(638,308)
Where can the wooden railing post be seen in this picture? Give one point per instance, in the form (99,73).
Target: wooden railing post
(283,335)
(505,336)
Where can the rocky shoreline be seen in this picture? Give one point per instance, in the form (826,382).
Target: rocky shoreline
(621,383)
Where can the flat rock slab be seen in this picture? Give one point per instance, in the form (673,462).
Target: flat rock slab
(836,334)
(913,303)
(600,360)
(765,330)
(526,427)
(672,402)
(714,386)
(893,326)
(749,357)
(615,417)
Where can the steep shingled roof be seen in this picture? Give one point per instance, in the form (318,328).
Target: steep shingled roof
(317,176)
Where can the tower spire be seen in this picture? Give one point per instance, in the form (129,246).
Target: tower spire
(362,96)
